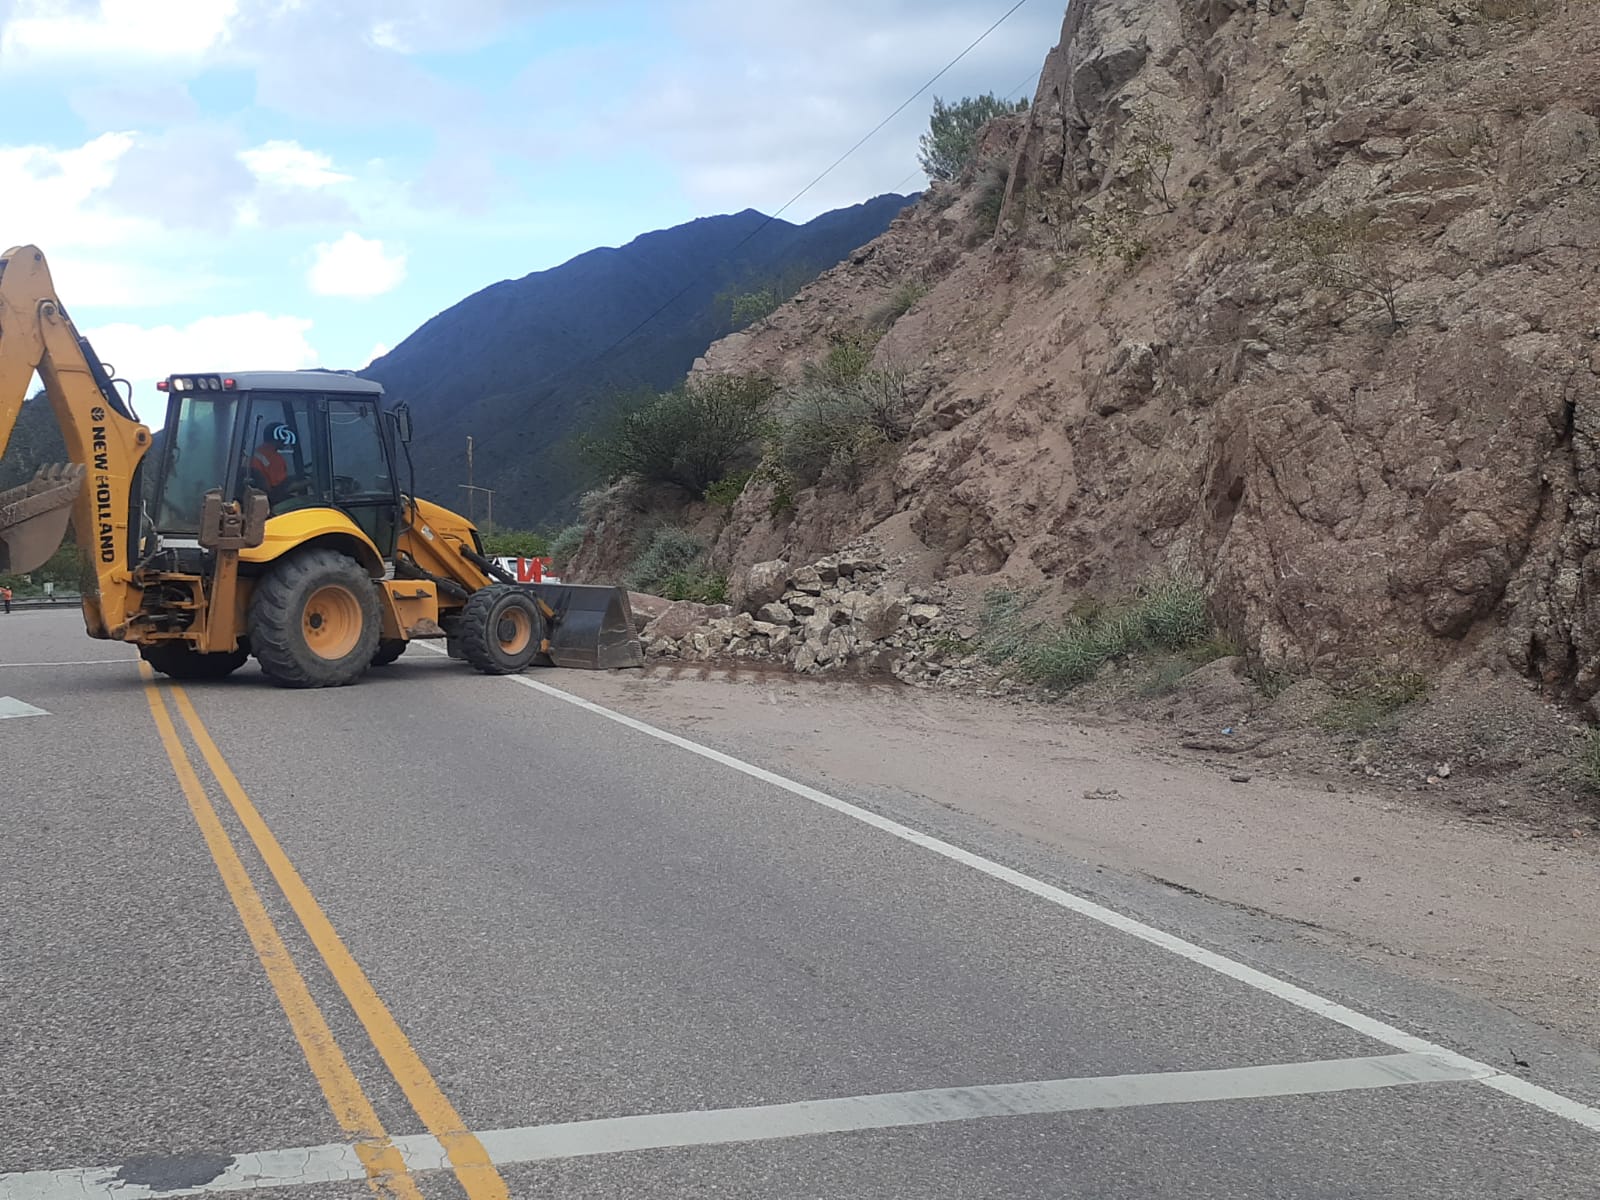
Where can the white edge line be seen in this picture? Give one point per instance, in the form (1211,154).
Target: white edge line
(1531,1093)
(337,1162)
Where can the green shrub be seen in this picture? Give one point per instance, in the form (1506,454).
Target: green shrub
(515,543)
(1589,760)
(1271,682)
(754,300)
(991,198)
(689,437)
(703,587)
(673,565)
(1373,699)
(1113,232)
(1004,626)
(668,551)
(847,360)
(952,137)
(899,303)
(564,546)
(725,491)
(751,307)
(771,471)
(1169,615)
(832,424)
(840,414)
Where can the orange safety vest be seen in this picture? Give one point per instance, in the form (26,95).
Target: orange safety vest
(269,464)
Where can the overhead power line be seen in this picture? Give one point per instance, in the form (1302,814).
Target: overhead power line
(686,288)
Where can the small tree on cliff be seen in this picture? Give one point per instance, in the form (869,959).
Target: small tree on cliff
(1345,253)
(952,137)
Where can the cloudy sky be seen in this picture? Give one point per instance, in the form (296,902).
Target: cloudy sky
(236,184)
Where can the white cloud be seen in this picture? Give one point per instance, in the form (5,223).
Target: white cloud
(99,255)
(237,342)
(46,31)
(759,103)
(289,164)
(47,191)
(378,352)
(355,266)
(188,177)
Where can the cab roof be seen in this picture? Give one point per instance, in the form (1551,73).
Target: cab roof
(288,381)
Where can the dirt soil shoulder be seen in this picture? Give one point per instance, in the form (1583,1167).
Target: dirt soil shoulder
(1487,908)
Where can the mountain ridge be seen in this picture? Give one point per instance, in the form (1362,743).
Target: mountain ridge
(523,364)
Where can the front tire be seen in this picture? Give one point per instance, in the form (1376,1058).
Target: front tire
(179,660)
(314,620)
(502,630)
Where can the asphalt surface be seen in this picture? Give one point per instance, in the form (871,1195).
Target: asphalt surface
(572,921)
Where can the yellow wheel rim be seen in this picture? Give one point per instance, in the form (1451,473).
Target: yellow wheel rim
(514,630)
(331,622)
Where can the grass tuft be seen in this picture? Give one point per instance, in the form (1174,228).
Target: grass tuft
(1166,616)
(1374,700)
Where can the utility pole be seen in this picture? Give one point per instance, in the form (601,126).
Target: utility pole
(472,493)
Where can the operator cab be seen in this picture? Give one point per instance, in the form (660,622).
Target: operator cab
(307,439)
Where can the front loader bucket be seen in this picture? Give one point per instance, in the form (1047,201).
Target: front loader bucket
(33,517)
(593,627)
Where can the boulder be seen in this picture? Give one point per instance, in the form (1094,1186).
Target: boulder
(923,614)
(807,580)
(681,618)
(877,617)
(854,562)
(827,569)
(762,584)
(778,613)
(817,625)
(803,605)
(646,608)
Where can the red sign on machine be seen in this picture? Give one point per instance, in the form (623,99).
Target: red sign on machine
(529,570)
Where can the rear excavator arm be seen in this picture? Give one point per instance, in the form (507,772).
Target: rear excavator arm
(99,489)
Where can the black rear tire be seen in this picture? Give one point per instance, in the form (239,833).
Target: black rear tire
(389,649)
(314,620)
(179,660)
(502,630)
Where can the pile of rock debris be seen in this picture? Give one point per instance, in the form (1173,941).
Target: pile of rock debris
(846,613)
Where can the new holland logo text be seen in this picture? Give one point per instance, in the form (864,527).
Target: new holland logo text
(101,452)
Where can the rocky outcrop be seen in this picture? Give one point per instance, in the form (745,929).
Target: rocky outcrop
(1293,294)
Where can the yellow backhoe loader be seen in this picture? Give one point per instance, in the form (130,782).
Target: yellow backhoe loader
(275,527)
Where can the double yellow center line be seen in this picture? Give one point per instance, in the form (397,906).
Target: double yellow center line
(387,1173)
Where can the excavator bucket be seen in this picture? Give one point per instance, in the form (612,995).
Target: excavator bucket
(34,517)
(593,627)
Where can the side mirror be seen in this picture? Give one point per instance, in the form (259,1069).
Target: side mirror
(402,422)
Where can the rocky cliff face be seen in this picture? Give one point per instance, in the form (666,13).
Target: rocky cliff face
(1298,296)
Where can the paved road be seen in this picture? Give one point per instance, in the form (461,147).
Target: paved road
(441,935)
